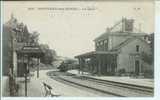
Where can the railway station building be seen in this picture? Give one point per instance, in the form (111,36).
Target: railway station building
(117,50)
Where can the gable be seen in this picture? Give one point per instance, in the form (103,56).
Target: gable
(130,46)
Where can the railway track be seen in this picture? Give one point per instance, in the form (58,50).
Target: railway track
(124,85)
(93,89)
(102,86)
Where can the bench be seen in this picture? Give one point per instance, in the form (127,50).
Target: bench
(48,90)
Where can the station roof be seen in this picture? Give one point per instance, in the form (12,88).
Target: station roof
(92,53)
(106,34)
(124,27)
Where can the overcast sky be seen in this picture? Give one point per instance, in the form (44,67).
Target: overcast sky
(71,32)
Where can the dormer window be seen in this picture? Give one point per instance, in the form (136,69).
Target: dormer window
(137,48)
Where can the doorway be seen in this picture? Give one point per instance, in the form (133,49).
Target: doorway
(137,67)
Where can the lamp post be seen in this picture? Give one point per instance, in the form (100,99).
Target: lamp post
(26,66)
(38,60)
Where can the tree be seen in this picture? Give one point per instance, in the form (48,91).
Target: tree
(26,34)
(49,54)
(33,38)
(152,45)
(148,58)
(7,50)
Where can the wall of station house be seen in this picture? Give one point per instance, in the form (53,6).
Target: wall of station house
(124,59)
(110,42)
(127,61)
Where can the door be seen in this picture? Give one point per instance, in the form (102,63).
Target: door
(21,69)
(137,67)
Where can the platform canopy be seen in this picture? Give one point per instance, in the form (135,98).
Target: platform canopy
(93,53)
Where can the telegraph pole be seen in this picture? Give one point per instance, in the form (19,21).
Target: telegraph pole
(26,66)
(11,71)
(26,80)
(11,85)
(38,60)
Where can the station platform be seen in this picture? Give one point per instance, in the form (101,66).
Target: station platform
(35,87)
(128,80)
(5,86)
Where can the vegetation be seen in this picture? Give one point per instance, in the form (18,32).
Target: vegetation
(6,50)
(20,34)
(49,54)
(148,58)
(148,74)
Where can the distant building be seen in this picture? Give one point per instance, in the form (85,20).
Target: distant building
(119,49)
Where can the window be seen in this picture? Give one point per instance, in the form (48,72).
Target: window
(106,45)
(101,43)
(137,48)
(105,41)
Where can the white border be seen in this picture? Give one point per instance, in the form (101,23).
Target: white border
(1,46)
(156,66)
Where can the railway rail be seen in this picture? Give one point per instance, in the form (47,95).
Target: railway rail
(103,86)
(124,85)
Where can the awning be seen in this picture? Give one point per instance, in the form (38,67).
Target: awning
(92,53)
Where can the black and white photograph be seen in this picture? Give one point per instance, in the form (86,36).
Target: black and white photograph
(78,48)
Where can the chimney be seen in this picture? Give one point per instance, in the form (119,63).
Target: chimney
(127,25)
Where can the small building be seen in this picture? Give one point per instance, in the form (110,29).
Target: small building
(118,50)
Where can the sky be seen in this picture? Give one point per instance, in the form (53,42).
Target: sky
(70,27)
